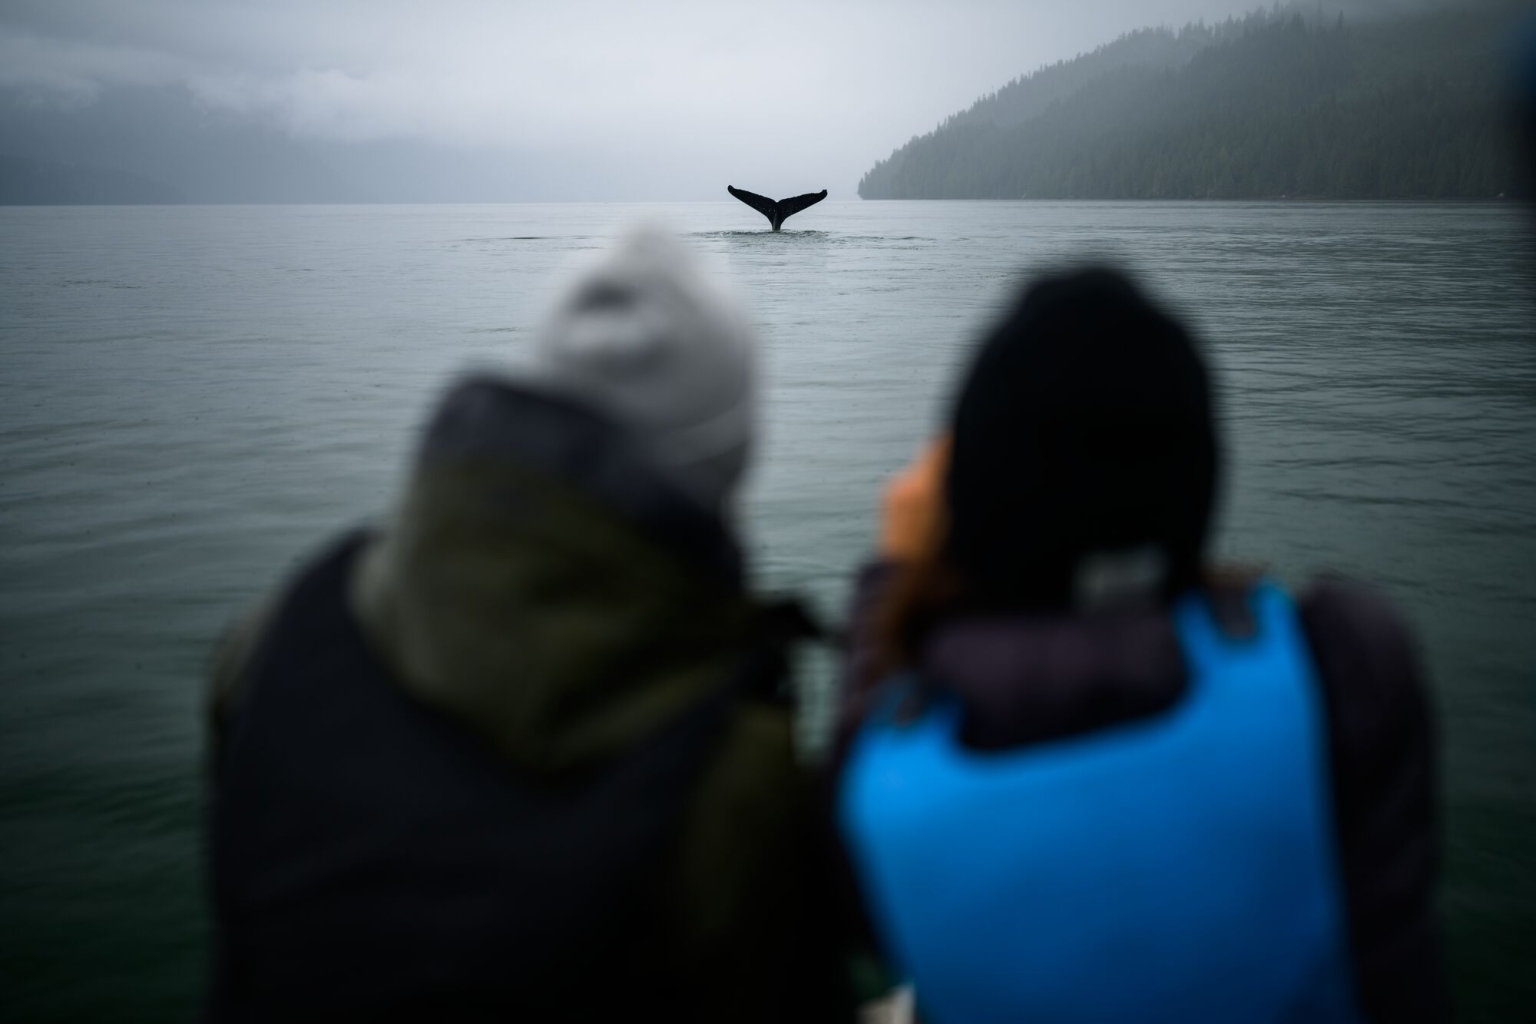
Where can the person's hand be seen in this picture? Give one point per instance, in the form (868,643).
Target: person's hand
(914,520)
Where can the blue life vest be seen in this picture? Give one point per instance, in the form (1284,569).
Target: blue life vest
(1178,868)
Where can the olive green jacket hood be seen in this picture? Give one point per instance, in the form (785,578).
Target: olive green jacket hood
(544,586)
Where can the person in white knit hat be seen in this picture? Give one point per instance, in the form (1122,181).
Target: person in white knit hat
(645,337)
(525,753)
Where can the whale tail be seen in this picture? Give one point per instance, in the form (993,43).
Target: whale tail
(777,211)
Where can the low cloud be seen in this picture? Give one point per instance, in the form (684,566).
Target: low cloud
(826,88)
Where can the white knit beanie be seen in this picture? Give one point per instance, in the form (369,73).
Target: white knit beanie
(645,337)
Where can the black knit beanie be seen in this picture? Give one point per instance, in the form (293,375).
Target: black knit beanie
(1084,430)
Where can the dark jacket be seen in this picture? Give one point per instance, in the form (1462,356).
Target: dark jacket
(1034,678)
(526,753)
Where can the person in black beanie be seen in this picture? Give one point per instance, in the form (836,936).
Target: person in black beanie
(1085,775)
(1084,427)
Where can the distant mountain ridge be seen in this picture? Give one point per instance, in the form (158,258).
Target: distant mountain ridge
(28,182)
(143,144)
(1284,102)
(161,144)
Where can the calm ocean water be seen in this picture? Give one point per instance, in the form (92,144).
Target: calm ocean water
(192,398)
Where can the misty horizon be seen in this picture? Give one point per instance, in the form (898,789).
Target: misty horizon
(353,103)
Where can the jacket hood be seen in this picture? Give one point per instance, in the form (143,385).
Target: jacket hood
(544,584)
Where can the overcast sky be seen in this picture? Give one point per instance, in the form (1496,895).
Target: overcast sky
(776,97)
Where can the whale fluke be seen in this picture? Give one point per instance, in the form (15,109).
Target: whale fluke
(780,211)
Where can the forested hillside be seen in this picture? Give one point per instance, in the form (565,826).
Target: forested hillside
(1282,103)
